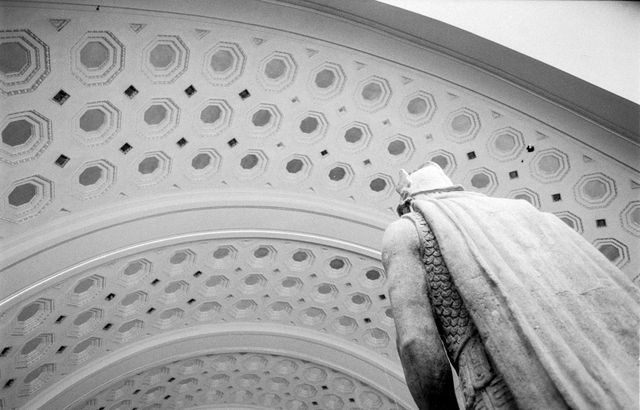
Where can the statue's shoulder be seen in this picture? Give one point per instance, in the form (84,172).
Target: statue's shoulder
(400,234)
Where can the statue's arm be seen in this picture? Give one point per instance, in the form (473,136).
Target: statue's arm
(423,357)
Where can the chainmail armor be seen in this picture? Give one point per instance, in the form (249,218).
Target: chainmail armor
(481,386)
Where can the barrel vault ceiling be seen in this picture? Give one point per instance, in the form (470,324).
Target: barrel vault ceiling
(192,201)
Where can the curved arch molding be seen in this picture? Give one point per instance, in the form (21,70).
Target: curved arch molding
(162,221)
(383,375)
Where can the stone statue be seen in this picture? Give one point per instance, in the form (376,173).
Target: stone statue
(526,312)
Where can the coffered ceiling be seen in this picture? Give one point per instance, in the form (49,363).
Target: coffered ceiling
(194,194)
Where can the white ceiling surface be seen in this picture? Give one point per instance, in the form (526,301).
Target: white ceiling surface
(246,275)
(597,41)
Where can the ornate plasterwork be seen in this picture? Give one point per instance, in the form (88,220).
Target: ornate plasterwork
(97,58)
(25,61)
(305,118)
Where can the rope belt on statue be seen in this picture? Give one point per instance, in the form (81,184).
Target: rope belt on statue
(405,206)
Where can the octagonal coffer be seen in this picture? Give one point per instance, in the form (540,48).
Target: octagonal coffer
(296,167)
(152,168)
(131,303)
(84,350)
(445,159)
(482,180)
(168,318)
(129,330)
(630,217)
(595,190)
(224,256)
(25,136)
(338,175)
(37,379)
(181,261)
(379,186)
(326,81)
(24,61)
(549,165)
(252,164)
(31,316)
(279,310)
(399,148)
(571,220)
(264,120)
(526,194)
(85,322)
(207,311)
(34,350)
(418,108)
(224,63)
(26,198)
(97,123)
(14,58)
(312,127)
(158,118)
(165,58)
(462,125)
(85,290)
(614,250)
(213,116)
(93,179)
(354,137)
(506,144)
(372,94)
(376,338)
(204,163)
(97,58)
(277,71)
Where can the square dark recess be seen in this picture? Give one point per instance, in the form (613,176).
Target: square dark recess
(601,223)
(197,274)
(367,320)
(110,297)
(61,96)
(190,90)
(324,152)
(556,197)
(62,160)
(232,142)
(513,174)
(182,142)
(382,297)
(126,147)
(131,91)
(530,148)
(244,94)
(471,155)
(367,162)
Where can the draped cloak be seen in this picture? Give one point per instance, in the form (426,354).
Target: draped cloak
(558,320)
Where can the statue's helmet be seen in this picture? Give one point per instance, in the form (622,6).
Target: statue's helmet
(428,177)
